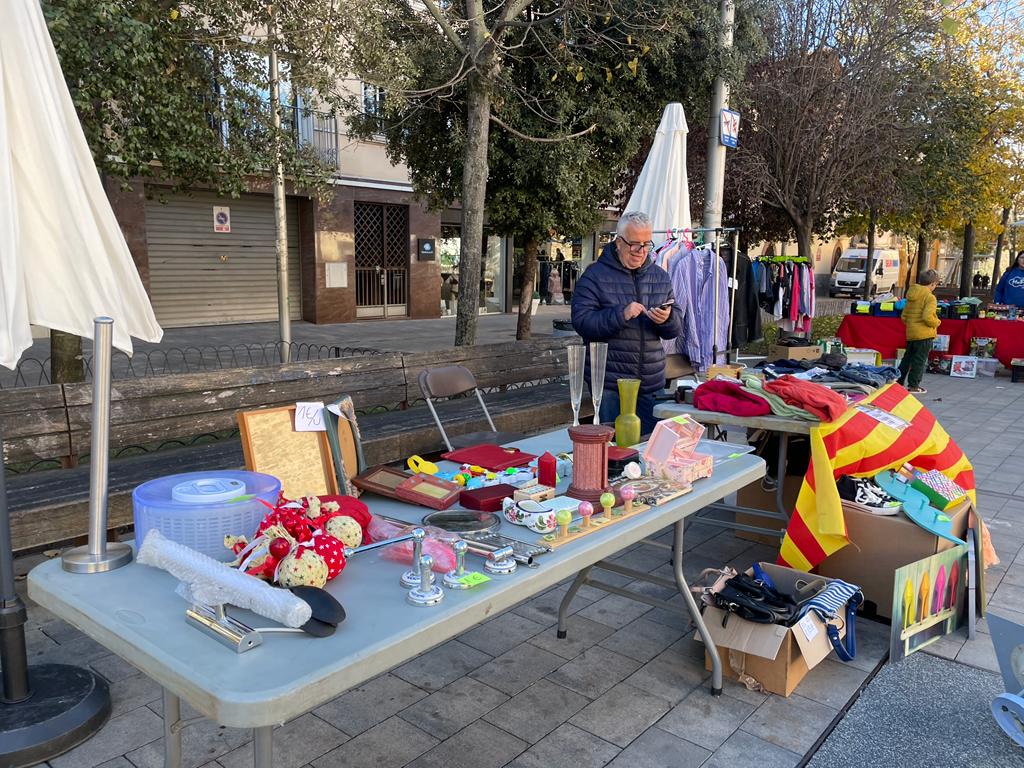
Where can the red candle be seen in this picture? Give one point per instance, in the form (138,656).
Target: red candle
(547,467)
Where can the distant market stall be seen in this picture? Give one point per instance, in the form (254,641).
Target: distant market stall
(888,334)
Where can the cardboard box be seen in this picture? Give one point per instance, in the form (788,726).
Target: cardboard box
(811,352)
(863,356)
(777,657)
(755,497)
(879,544)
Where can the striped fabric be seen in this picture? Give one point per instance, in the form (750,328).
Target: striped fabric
(856,444)
(831,601)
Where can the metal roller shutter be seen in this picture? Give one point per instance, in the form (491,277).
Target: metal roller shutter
(201,277)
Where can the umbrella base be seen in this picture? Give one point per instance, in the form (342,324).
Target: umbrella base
(67,706)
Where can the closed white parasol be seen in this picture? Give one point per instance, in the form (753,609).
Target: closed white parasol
(662,191)
(64,264)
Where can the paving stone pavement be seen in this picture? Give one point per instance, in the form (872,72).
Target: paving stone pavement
(626,689)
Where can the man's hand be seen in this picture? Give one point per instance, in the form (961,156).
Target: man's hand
(659,316)
(633,310)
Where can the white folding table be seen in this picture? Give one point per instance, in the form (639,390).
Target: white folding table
(718,422)
(135,612)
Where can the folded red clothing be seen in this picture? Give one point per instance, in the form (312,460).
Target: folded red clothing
(727,397)
(814,398)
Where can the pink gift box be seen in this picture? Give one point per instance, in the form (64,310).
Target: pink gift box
(684,471)
(672,439)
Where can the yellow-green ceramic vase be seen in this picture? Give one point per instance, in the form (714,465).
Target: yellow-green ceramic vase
(627,425)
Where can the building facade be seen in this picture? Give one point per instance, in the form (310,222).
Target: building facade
(365,253)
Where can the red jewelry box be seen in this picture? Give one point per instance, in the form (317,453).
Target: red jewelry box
(496,458)
(618,458)
(487,499)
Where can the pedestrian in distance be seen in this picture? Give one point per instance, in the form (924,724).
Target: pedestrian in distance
(921,317)
(625,300)
(1010,289)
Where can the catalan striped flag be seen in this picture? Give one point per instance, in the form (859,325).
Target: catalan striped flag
(858,444)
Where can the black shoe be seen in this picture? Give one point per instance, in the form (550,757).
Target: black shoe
(864,494)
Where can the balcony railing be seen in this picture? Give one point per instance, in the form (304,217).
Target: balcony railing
(307,127)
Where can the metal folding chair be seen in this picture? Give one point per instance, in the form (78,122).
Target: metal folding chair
(451,381)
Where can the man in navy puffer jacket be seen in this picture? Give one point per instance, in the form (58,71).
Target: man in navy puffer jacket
(626,300)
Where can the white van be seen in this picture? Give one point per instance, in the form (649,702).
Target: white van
(848,274)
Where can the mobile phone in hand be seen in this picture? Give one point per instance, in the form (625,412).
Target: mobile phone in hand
(667,304)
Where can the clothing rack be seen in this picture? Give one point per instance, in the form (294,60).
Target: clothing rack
(673,234)
(784,259)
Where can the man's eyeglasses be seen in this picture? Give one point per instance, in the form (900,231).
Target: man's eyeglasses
(647,245)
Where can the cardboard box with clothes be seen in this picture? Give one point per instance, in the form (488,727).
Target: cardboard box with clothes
(775,656)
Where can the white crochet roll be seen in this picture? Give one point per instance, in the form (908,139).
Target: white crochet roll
(213,583)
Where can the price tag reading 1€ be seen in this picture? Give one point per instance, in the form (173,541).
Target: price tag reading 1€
(474,579)
(309,417)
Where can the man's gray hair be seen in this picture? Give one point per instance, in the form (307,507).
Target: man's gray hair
(632,218)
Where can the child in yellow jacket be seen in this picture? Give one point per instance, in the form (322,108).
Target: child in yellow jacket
(921,317)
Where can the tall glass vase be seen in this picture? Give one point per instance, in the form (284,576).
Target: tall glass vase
(598,360)
(627,423)
(577,359)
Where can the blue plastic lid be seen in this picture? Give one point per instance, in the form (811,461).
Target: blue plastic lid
(208,490)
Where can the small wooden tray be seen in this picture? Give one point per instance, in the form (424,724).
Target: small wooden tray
(428,491)
(383,481)
(597,523)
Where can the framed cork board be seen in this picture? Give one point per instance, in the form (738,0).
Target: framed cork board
(302,461)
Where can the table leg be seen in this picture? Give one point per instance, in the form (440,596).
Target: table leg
(709,644)
(563,607)
(780,474)
(172,730)
(263,747)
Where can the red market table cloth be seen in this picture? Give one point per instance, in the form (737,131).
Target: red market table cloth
(887,334)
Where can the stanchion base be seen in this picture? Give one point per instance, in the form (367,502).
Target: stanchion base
(67,706)
(80,560)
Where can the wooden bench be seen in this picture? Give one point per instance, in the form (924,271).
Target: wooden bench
(54,422)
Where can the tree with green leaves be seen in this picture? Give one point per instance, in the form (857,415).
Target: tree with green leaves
(566,86)
(178,93)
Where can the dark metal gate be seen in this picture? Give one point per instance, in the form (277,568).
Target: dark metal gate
(382,260)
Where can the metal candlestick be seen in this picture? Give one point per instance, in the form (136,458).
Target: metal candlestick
(426,593)
(577,359)
(453,579)
(99,555)
(411,578)
(598,361)
(500,562)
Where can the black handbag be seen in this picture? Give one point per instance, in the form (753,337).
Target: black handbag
(753,600)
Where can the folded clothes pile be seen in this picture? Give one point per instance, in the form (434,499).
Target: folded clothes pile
(834,372)
(814,398)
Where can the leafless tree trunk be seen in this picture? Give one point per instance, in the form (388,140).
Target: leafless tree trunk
(967,264)
(67,365)
(869,267)
(474,191)
(525,320)
(998,263)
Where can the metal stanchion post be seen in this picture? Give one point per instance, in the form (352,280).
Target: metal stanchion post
(99,555)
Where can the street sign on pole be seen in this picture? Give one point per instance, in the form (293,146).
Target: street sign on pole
(730,128)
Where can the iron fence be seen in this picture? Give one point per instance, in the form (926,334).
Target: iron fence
(35,372)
